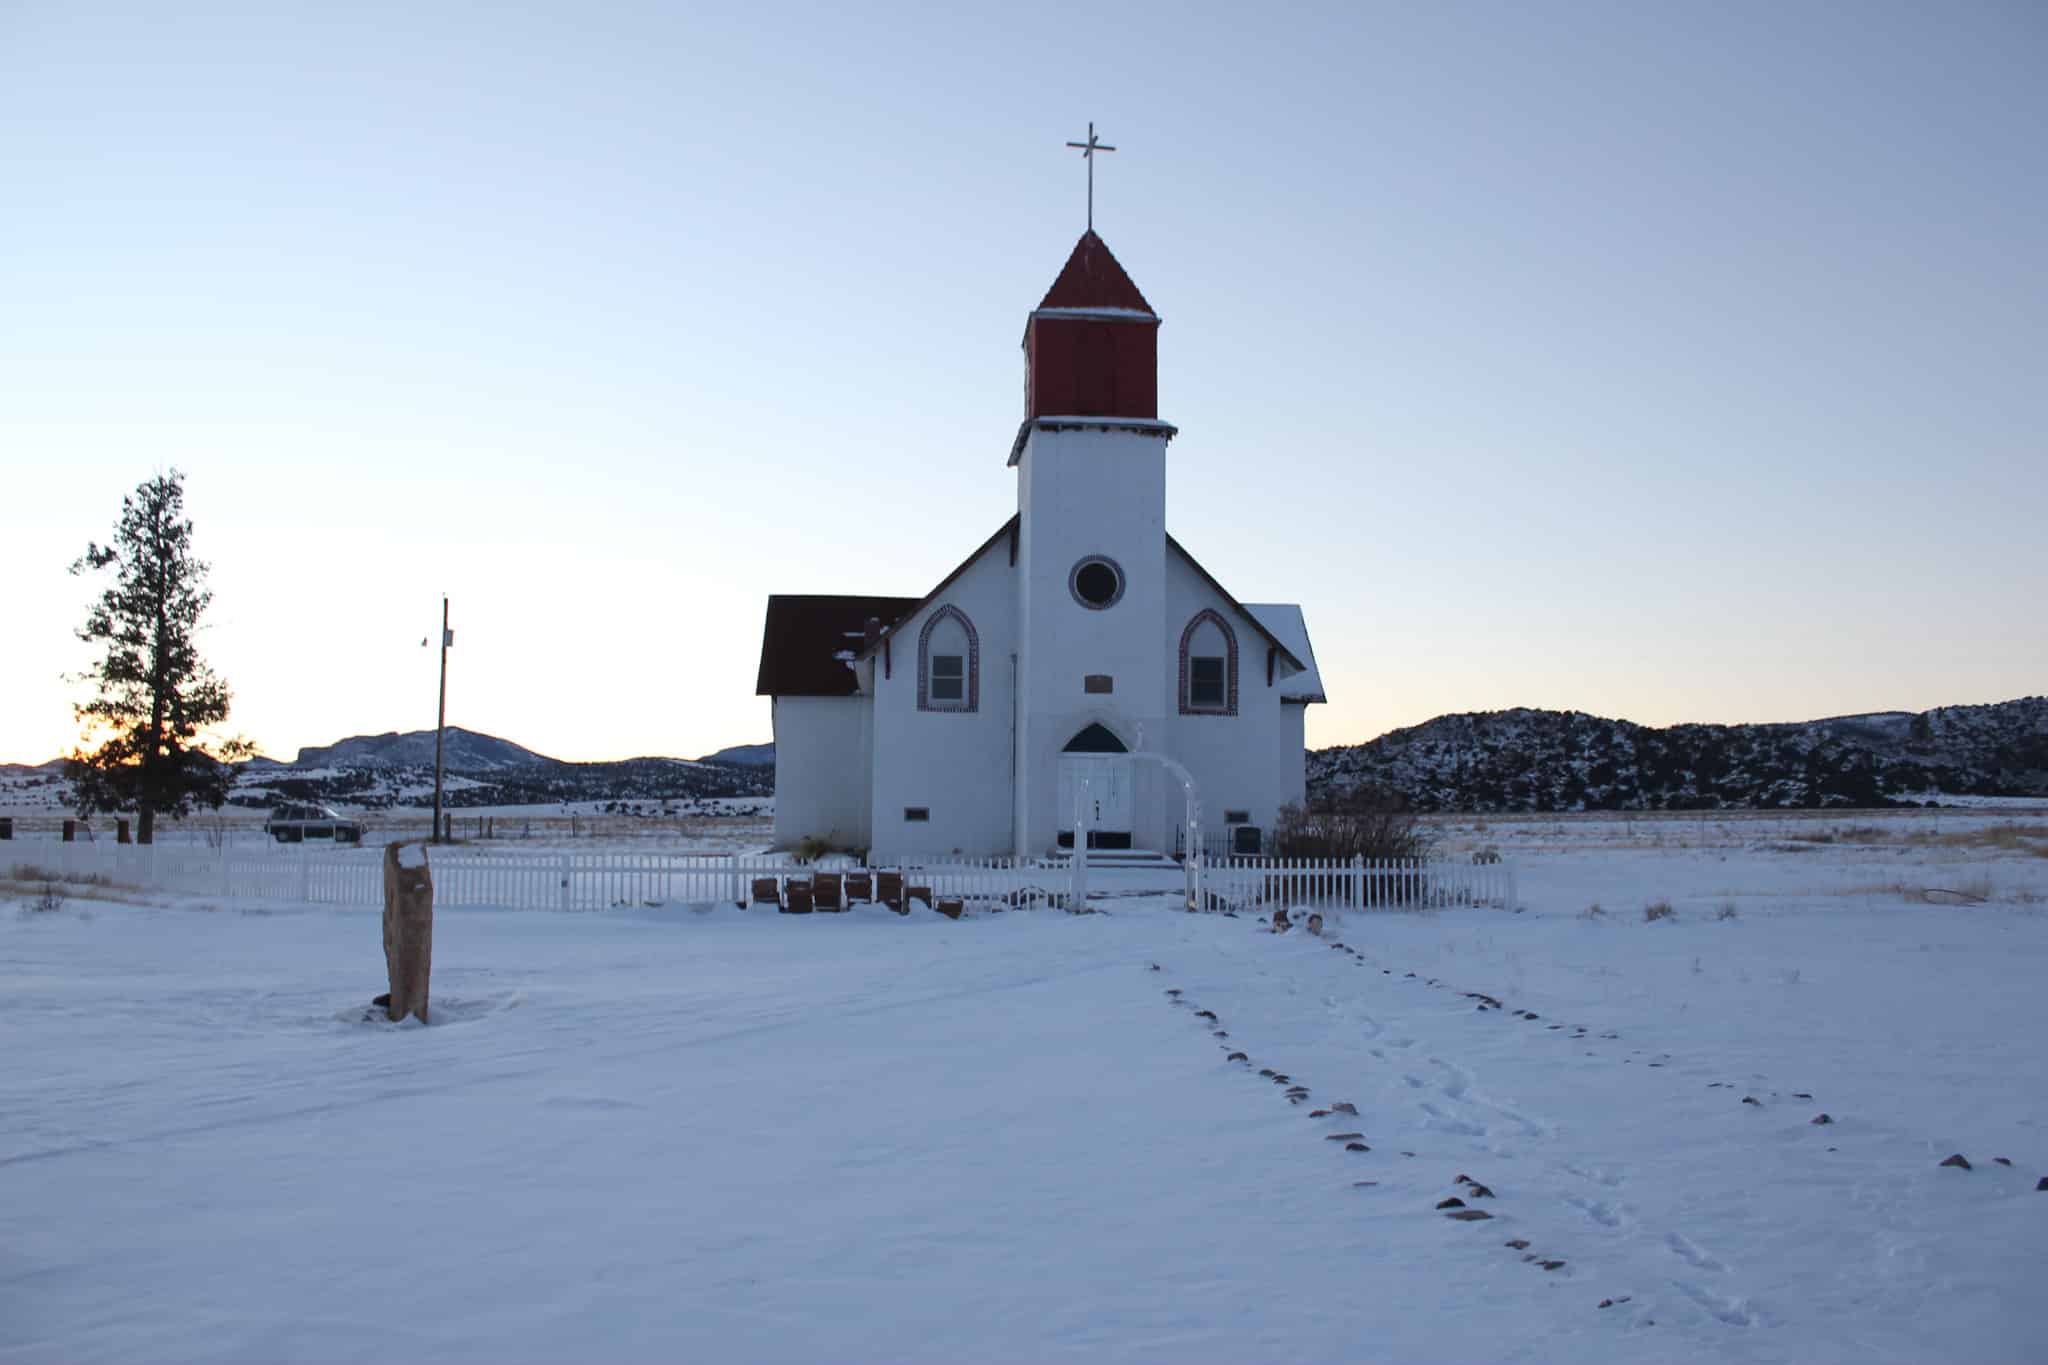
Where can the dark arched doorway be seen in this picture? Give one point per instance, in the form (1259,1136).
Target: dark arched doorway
(1096,739)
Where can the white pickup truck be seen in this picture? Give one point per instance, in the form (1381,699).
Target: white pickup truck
(294,824)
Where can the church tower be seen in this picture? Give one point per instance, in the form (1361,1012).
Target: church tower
(1090,457)
(1091,347)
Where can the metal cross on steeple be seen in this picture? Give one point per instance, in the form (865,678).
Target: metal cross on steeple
(1088,151)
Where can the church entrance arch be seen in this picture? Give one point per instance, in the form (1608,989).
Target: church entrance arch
(1095,766)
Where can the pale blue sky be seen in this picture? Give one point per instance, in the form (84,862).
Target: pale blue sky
(1676,362)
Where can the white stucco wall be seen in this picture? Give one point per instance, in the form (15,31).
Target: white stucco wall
(1294,741)
(955,765)
(1088,492)
(1251,761)
(821,764)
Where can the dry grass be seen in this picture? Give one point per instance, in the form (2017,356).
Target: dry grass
(33,872)
(1960,891)
(2009,836)
(1842,834)
(35,884)
(1657,910)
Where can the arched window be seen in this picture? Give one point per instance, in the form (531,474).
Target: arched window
(1208,666)
(948,663)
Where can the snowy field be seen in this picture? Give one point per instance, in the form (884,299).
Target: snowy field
(681,1134)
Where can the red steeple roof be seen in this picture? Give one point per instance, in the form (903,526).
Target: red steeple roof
(1093,279)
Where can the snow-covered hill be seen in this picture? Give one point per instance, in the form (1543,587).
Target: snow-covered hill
(1567,760)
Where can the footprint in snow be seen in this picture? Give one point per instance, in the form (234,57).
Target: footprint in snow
(1599,1210)
(589,1104)
(1734,1312)
(1690,1253)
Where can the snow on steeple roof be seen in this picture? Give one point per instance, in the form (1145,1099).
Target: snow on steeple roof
(1093,279)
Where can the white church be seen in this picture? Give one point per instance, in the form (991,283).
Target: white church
(1069,650)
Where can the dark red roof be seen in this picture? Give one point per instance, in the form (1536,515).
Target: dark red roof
(807,641)
(1093,279)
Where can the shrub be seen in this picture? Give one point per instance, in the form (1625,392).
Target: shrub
(812,847)
(1593,911)
(1657,910)
(1727,910)
(1361,828)
(49,900)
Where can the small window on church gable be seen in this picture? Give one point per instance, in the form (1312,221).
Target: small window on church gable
(1208,666)
(948,663)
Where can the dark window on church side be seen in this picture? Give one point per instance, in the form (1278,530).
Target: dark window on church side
(917,814)
(949,677)
(1208,666)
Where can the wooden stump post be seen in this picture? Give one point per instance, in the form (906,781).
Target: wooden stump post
(408,929)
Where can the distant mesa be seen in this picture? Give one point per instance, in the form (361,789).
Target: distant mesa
(463,750)
(744,756)
(53,768)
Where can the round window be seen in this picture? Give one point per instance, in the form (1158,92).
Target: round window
(1096,582)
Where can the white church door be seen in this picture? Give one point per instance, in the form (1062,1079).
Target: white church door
(1095,768)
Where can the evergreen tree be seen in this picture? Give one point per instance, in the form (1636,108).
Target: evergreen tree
(153,694)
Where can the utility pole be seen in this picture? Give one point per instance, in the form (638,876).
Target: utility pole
(441,717)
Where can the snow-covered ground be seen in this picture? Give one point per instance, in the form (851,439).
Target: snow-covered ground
(724,1135)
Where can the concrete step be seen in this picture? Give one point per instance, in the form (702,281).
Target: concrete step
(1125,857)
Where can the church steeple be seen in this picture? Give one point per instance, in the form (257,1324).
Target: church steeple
(1091,347)
(1092,278)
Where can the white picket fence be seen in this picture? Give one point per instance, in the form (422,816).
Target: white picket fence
(476,878)
(1358,883)
(470,878)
